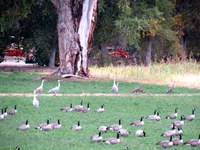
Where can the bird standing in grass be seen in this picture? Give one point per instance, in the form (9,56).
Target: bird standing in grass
(115,87)
(24,127)
(40,88)
(138,89)
(56,89)
(35,101)
(170,88)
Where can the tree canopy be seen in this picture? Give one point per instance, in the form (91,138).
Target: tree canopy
(173,26)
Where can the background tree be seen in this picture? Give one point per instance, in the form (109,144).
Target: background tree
(75,25)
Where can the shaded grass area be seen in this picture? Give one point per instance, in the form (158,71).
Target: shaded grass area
(23,83)
(126,108)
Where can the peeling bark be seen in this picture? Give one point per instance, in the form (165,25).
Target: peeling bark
(76,22)
(147,60)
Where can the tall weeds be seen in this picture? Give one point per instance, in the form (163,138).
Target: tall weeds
(183,73)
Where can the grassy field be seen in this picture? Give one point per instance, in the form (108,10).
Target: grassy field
(186,74)
(127,108)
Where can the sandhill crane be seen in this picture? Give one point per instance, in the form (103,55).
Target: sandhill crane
(35,101)
(40,88)
(170,88)
(115,87)
(138,89)
(56,89)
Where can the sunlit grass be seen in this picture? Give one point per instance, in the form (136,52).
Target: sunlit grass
(183,73)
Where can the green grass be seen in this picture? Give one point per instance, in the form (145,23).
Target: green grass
(23,83)
(129,108)
(126,108)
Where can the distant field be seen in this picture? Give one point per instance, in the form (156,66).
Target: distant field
(128,108)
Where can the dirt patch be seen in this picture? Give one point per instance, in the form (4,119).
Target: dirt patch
(97,94)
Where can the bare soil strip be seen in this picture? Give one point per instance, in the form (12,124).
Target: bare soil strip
(97,94)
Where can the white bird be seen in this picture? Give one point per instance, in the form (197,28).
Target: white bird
(5,112)
(56,89)
(40,88)
(115,87)
(35,101)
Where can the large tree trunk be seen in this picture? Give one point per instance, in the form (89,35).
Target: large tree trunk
(52,54)
(76,22)
(147,60)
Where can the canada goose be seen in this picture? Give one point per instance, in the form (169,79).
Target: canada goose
(5,112)
(17,148)
(178,123)
(193,142)
(24,127)
(190,117)
(157,117)
(97,138)
(152,117)
(115,127)
(123,132)
(85,110)
(138,123)
(115,87)
(138,89)
(38,126)
(77,107)
(35,101)
(56,125)
(179,131)
(166,143)
(140,133)
(177,141)
(101,109)
(56,89)
(102,128)
(170,132)
(170,88)
(40,88)
(12,111)
(67,109)
(113,140)
(76,127)
(173,116)
(46,127)
(2,114)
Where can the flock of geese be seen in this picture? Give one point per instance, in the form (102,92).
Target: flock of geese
(174,130)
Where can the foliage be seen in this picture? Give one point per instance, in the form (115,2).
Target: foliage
(33,20)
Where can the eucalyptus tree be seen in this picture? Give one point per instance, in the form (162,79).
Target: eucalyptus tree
(75,25)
